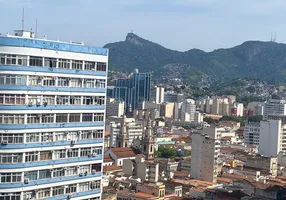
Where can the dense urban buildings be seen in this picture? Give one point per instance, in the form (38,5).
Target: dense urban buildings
(52,97)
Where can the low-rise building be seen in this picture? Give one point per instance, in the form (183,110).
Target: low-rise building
(121,154)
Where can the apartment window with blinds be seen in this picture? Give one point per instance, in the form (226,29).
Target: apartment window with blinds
(47,118)
(11,138)
(98,134)
(49,100)
(35,80)
(45,174)
(64,64)
(63,82)
(6,158)
(50,62)
(75,100)
(101,66)
(58,172)
(32,175)
(71,188)
(74,117)
(12,99)
(45,155)
(10,177)
(87,117)
(44,193)
(76,64)
(60,154)
(84,152)
(11,119)
(36,61)
(89,66)
(32,137)
(33,119)
(47,137)
(59,190)
(31,156)
(61,118)
(73,153)
(49,81)
(98,117)
(75,82)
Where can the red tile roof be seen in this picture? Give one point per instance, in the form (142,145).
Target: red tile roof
(142,195)
(112,168)
(124,152)
(107,159)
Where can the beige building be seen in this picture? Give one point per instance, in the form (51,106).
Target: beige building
(204,156)
(262,162)
(167,110)
(157,189)
(140,168)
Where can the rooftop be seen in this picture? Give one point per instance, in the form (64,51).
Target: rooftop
(112,168)
(124,152)
(142,195)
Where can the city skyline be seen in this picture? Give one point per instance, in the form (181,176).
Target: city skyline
(179,25)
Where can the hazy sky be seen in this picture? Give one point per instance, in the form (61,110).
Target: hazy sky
(175,24)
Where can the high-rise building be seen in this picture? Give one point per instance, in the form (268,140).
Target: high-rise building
(173,97)
(237,109)
(205,153)
(52,97)
(274,107)
(135,89)
(188,111)
(251,133)
(158,94)
(114,108)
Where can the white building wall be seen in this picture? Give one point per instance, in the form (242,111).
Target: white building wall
(273,106)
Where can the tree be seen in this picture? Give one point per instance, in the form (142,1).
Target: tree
(166,152)
(210,120)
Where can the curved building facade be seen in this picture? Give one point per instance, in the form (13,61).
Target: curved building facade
(52,111)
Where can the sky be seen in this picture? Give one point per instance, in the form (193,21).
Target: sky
(176,24)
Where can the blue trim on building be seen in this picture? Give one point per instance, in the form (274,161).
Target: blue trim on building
(50,162)
(51,70)
(51,88)
(52,107)
(51,45)
(47,126)
(77,194)
(48,181)
(48,144)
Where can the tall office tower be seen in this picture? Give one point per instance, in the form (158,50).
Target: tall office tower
(52,97)
(251,133)
(274,107)
(205,153)
(158,94)
(172,97)
(188,111)
(132,91)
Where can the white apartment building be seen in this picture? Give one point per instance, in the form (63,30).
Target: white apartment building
(199,118)
(251,133)
(188,111)
(52,97)
(274,107)
(272,139)
(205,153)
(133,130)
(114,108)
(237,109)
(158,94)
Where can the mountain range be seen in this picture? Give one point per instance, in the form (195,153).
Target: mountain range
(252,59)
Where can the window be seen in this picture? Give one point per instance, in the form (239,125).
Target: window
(11,158)
(98,134)
(32,175)
(33,100)
(97,151)
(13,79)
(75,100)
(45,174)
(35,80)
(59,190)
(58,172)
(60,154)
(2,59)
(82,187)
(95,185)
(49,100)
(12,99)
(44,193)
(10,196)
(73,153)
(101,66)
(29,195)
(47,137)
(11,59)
(50,62)
(96,167)
(23,60)
(87,117)
(74,117)
(71,171)
(32,156)
(64,64)
(63,82)
(89,66)
(89,83)
(61,118)
(88,100)
(11,119)
(63,100)
(76,64)
(85,135)
(75,82)
(71,188)
(32,137)
(72,135)
(45,155)
(47,118)
(11,138)
(33,119)
(84,152)
(61,136)
(36,61)
(98,117)
(49,81)
(100,83)
(99,100)
(11,177)
(84,169)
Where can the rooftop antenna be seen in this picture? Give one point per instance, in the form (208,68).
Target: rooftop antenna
(36,29)
(23,19)
(271,39)
(274,39)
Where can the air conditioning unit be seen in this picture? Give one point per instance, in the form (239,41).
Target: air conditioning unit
(4,142)
(45,103)
(38,103)
(26,180)
(69,196)
(80,174)
(73,142)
